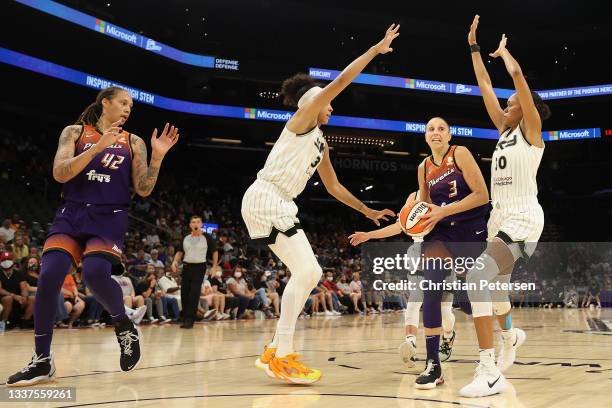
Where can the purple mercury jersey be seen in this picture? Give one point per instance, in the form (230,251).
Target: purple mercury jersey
(106,179)
(447,185)
(93,219)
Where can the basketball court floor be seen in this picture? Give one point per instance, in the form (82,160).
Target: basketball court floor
(565,362)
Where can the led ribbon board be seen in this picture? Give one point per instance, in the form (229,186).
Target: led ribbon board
(119,33)
(81,78)
(458,89)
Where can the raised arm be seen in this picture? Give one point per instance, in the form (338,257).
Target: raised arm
(65,165)
(305,117)
(340,193)
(531,117)
(496,113)
(144,176)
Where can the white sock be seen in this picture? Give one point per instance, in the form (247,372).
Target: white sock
(447,335)
(506,335)
(411,338)
(487,357)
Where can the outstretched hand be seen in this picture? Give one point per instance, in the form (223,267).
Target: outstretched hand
(472,33)
(501,48)
(384,46)
(358,238)
(165,141)
(376,215)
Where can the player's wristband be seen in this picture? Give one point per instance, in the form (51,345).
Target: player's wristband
(474,48)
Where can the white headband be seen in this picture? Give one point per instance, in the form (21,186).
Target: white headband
(315,90)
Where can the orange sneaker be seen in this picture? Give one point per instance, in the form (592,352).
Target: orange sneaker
(290,369)
(267,355)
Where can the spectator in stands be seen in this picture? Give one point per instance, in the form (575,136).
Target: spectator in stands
(146,289)
(31,276)
(266,296)
(214,300)
(152,238)
(20,249)
(218,285)
(7,233)
(155,261)
(170,252)
(13,290)
(140,262)
(239,287)
(341,301)
(331,308)
(130,299)
(170,292)
(72,302)
(592,293)
(357,294)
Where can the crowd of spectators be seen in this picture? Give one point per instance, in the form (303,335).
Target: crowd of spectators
(250,280)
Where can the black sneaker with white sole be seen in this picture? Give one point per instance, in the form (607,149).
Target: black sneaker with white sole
(40,370)
(129,341)
(446,347)
(431,377)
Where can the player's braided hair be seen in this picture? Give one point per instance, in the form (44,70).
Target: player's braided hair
(92,113)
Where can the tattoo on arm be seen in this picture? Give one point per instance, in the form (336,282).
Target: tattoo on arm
(146,176)
(64,157)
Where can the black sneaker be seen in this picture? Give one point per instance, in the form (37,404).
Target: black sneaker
(446,348)
(129,341)
(40,370)
(431,377)
(187,324)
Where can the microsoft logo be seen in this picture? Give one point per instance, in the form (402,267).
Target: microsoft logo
(250,113)
(100,26)
(409,83)
(553,135)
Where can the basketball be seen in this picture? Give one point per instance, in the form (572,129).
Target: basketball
(411,222)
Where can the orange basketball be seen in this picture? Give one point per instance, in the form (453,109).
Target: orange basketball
(411,222)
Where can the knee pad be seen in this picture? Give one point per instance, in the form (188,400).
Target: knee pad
(480,309)
(448,317)
(501,308)
(411,314)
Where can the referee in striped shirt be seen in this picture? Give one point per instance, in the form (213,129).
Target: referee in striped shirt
(195,248)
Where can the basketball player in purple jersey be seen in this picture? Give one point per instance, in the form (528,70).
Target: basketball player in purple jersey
(96,161)
(451,183)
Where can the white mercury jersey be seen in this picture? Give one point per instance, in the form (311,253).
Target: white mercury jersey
(293,160)
(514,168)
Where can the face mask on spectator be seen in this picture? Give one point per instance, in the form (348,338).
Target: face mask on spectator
(237,275)
(330,278)
(267,273)
(33,267)
(218,274)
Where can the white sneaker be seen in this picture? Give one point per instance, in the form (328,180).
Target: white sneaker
(155,320)
(164,320)
(407,351)
(515,338)
(328,313)
(488,380)
(336,313)
(138,314)
(210,314)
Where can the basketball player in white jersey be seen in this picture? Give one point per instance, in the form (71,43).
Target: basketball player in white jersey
(269,211)
(517,218)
